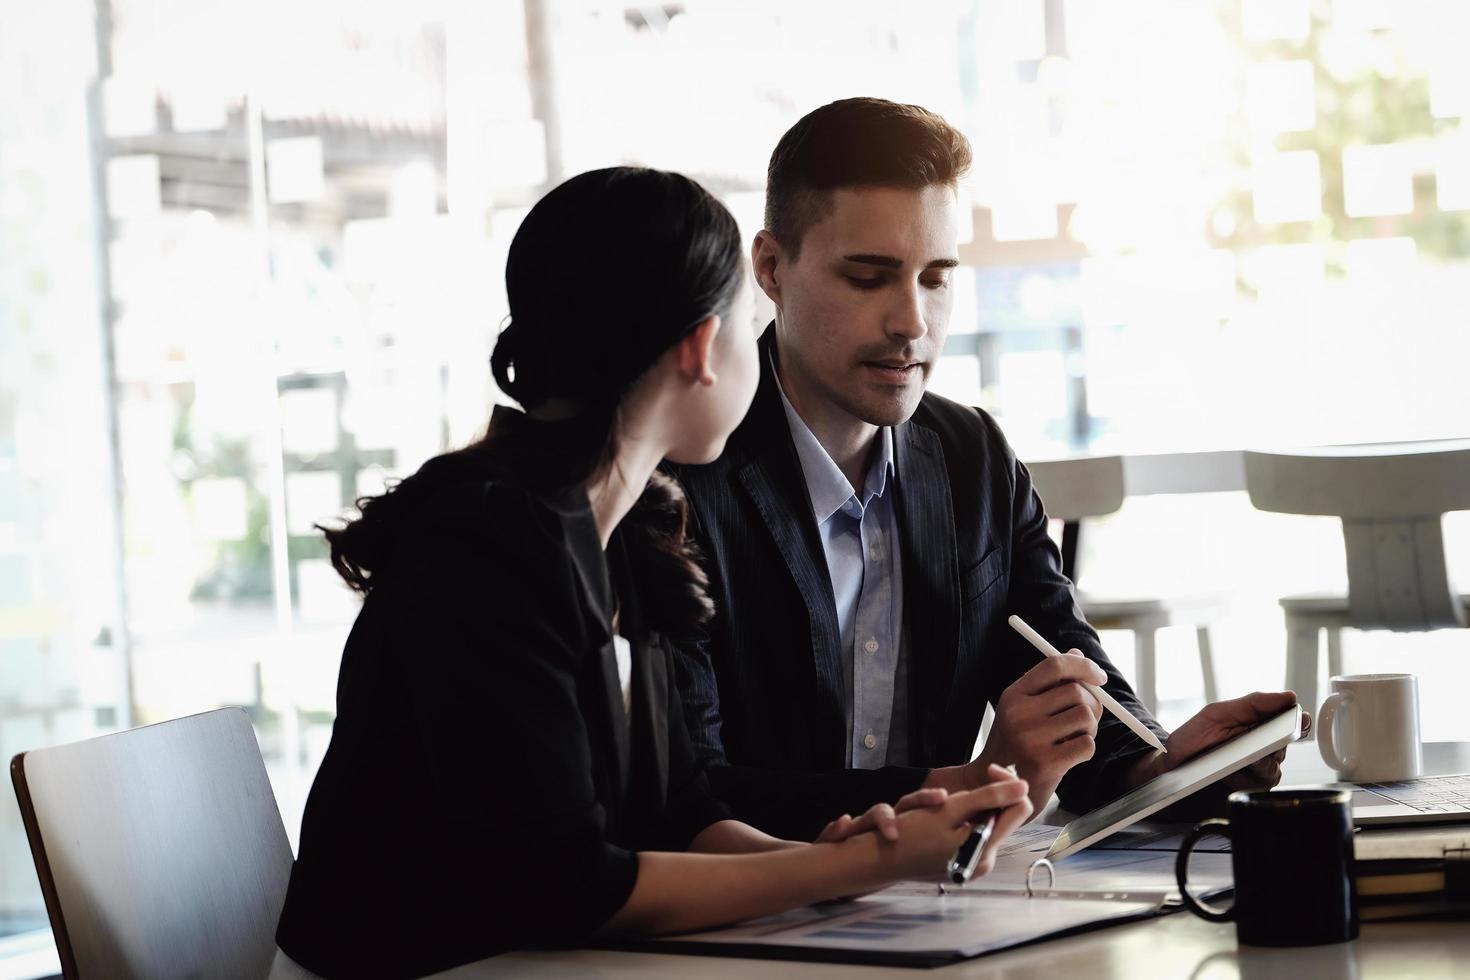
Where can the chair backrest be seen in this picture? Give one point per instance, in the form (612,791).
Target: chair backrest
(1392,501)
(160,850)
(1073,489)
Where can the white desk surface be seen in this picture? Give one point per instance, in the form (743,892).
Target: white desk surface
(1178,945)
(1221,470)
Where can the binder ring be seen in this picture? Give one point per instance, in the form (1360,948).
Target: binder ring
(1051,875)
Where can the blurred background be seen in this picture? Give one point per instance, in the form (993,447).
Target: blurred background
(251,263)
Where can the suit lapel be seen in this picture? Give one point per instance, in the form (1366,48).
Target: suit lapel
(772,479)
(931,597)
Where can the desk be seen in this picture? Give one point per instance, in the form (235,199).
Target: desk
(1223,470)
(1178,945)
(1215,471)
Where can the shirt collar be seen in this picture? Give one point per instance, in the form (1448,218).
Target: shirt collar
(826,484)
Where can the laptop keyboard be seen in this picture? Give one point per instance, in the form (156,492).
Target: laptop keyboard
(1431,794)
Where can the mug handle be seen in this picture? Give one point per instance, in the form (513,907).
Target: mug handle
(1327,733)
(1214,825)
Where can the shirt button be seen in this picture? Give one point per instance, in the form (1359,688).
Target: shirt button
(872,647)
(869,741)
(873,553)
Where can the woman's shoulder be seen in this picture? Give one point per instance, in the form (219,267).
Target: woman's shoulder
(482,570)
(466,530)
(472,519)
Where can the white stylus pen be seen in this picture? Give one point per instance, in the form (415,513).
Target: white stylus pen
(1121,713)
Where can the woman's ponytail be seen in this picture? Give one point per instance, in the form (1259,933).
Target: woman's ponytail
(606,273)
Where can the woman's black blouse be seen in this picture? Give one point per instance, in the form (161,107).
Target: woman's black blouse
(483,790)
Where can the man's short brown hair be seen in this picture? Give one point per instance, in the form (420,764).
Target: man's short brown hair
(856,143)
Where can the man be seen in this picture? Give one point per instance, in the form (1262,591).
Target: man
(860,633)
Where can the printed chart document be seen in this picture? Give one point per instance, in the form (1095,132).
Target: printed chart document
(921,924)
(1104,871)
(897,928)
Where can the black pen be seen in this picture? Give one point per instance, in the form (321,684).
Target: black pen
(962,865)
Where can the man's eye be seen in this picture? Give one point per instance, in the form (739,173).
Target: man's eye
(936,283)
(866,282)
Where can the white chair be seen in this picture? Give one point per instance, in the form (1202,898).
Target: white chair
(1074,489)
(1392,501)
(159,850)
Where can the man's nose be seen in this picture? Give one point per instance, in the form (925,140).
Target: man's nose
(906,319)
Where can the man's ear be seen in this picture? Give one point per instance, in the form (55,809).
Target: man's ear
(767,261)
(696,351)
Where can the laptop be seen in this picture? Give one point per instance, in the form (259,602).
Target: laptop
(1428,799)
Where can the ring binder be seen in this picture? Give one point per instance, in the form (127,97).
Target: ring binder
(1051,875)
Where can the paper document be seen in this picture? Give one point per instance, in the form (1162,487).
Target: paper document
(921,923)
(1032,837)
(1160,837)
(897,928)
(1147,873)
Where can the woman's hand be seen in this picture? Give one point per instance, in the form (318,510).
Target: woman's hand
(882,818)
(691,892)
(929,836)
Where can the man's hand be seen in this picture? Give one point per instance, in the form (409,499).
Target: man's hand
(882,817)
(1216,723)
(1044,725)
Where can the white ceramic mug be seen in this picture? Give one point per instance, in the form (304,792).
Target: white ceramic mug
(1368,728)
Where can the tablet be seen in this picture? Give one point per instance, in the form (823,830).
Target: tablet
(1176,784)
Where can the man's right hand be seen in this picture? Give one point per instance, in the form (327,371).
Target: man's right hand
(1044,725)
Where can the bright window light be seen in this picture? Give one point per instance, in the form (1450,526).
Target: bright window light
(220,510)
(1287,187)
(134,187)
(294,169)
(965,317)
(1379,261)
(1377,180)
(1449,86)
(1276,20)
(1452,177)
(128,106)
(308,421)
(1281,96)
(321,595)
(1021,218)
(1279,269)
(1107,288)
(1367,15)
(1012,31)
(312,497)
(517,154)
(957,377)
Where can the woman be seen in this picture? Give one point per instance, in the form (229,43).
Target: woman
(509,764)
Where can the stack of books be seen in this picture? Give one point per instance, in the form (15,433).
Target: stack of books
(1413,874)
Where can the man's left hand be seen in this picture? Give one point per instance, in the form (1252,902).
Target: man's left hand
(1215,723)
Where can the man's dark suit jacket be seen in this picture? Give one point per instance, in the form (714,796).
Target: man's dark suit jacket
(763,693)
(484,789)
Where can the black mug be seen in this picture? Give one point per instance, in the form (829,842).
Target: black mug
(1292,851)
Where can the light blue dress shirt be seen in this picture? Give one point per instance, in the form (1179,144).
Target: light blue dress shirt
(860,539)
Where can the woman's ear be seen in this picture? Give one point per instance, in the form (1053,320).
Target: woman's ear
(697,350)
(765,264)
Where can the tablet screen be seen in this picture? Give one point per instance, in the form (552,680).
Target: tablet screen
(1176,784)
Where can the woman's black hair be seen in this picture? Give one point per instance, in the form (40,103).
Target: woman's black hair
(608,270)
